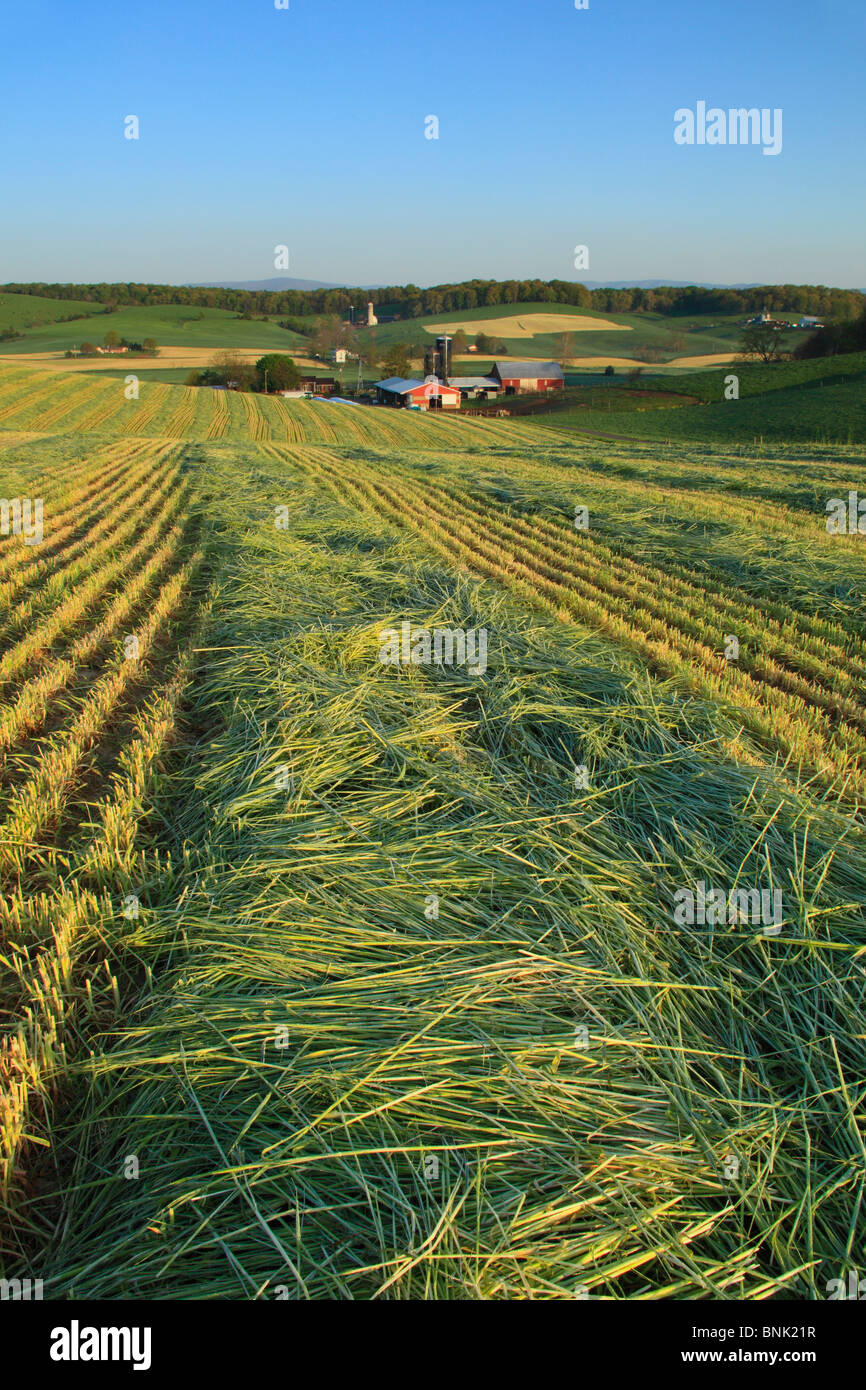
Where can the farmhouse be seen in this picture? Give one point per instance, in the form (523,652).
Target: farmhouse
(514,377)
(808,321)
(427,395)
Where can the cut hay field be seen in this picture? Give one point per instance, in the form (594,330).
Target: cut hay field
(325,977)
(88,404)
(170,359)
(528,325)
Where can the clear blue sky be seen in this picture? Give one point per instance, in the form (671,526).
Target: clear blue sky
(306,127)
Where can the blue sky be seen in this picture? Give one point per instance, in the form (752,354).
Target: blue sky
(305,127)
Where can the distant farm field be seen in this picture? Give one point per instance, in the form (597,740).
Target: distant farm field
(168,359)
(664,337)
(528,325)
(376,965)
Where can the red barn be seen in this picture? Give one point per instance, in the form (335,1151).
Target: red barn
(517,377)
(428,395)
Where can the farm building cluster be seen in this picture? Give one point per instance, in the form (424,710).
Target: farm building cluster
(766,320)
(96,350)
(440,390)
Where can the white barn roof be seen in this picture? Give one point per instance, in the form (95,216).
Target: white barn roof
(398,384)
(401,385)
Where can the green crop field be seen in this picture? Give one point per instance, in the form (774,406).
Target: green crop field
(170,325)
(823,400)
(837,413)
(823,412)
(27,311)
(758,378)
(339,964)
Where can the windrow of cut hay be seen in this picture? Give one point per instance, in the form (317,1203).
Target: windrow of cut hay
(95,625)
(797,682)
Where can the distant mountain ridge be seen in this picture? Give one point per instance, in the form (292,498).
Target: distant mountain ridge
(668,284)
(277,285)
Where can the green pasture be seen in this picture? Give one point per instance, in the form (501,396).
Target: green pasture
(817,411)
(172,325)
(26,312)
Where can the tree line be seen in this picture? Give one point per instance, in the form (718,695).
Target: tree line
(409,301)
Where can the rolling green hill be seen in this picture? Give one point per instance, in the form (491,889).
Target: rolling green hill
(665,334)
(757,378)
(651,336)
(170,324)
(25,311)
(809,413)
(823,400)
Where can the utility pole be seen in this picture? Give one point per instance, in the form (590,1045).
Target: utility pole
(266,381)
